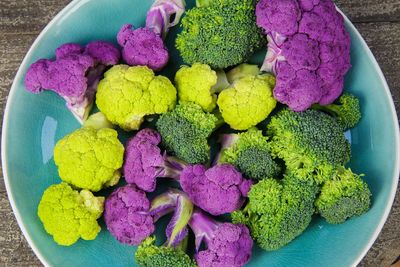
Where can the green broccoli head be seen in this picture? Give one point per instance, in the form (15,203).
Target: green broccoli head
(347,110)
(190,142)
(309,142)
(89,158)
(150,255)
(127,94)
(68,215)
(343,197)
(249,153)
(278,211)
(220,33)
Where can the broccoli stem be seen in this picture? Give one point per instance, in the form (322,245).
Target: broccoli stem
(203,227)
(226,141)
(331,109)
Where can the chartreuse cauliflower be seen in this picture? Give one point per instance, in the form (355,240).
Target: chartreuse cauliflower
(248,101)
(343,197)
(89,158)
(249,153)
(199,84)
(127,94)
(309,142)
(68,215)
(278,211)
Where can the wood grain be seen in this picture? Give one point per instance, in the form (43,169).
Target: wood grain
(22,20)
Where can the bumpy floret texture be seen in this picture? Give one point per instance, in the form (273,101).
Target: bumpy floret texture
(309,49)
(250,155)
(230,246)
(309,142)
(222,34)
(194,84)
(143,160)
(277,212)
(143,47)
(150,255)
(185,132)
(126,214)
(89,159)
(218,190)
(343,197)
(68,215)
(127,94)
(248,102)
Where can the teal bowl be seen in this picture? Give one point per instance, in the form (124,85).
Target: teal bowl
(34,123)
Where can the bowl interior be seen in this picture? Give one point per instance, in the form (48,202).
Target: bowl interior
(34,123)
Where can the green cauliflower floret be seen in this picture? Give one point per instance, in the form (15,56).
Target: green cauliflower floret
(343,197)
(150,255)
(89,158)
(68,215)
(249,153)
(220,33)
(185,132)
(347,110)
(309,142)
(127,94)
(248,101)
(278,211)
(199,84)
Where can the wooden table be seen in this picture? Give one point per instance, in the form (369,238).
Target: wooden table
(22,20)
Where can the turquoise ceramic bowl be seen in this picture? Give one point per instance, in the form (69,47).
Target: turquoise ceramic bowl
(34,123)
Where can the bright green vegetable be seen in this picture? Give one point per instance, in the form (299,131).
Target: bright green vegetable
(249,153)
(150,255)
(127,94)
(277,212)
(68,215)
(90,159)
(248,101)
(98,121)
(310,142)
(347,110)
(220,33)
(343,197)
(185,132)
(199,84)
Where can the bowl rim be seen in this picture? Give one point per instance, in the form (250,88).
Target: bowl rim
(75,4)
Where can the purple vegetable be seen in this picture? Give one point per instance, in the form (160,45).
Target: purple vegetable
(308,50)
(227,244)
(144,161)
(145,46)
(218,190)
(74,74)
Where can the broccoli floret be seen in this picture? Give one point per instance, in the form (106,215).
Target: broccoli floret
(89,158)
(150,255)
(343,197)
(185,131)
(220,33)
(249,153)
(310,142)
(347,110)
(68,215)
(277,212)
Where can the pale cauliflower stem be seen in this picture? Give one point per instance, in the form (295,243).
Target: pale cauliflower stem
(68,215)
(248,101)
(89,158)
(127,94)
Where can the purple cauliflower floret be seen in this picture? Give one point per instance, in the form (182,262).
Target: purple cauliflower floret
(144,161)
(145,46)
(74,74)
(308,50)
(227,244)
(218,190)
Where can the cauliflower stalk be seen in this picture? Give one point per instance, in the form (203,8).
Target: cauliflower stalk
(68,215)
(127,94)
(90,159)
